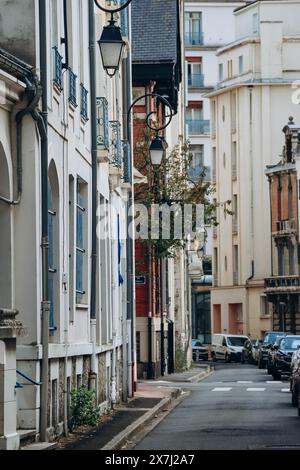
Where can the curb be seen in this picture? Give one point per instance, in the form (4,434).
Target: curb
(119,440)
(201,375)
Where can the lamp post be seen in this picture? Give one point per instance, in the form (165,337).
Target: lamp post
(111,44)
(156,150)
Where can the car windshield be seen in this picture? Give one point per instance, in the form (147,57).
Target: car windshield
(271,337)
(236,340)
(290,343)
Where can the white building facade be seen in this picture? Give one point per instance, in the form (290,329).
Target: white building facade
(93,349)
(257,88)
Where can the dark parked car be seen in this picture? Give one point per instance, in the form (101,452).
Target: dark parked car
(283,356)
(248,353)
(268,341)
(295,380)
(271,354)
(199,351)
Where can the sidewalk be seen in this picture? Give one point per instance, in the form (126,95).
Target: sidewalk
(151,400)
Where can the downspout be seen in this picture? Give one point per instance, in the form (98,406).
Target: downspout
(93,290)
(130,242)
(45,307)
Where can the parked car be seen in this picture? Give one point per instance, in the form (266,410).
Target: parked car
(268,341)
(199,351)
(227,347)
(248,353)
(295,379)
(271,354)
(283,355)
(255,350)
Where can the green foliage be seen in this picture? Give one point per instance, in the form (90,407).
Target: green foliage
(83,407)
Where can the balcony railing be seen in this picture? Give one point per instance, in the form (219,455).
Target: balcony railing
(127,166)
(198,127)
(282,284)
(285,227)
(102,124)
(72,88)
(115,144)
(196,80)
(193,39)
(83,102)
(57,69)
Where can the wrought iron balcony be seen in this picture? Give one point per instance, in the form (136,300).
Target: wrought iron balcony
(282,284)
(83,102)
(115,144)
(102,124)
(57,68)
(193,39)
(198,127)
(72,88)
(285,228)
(196,80)
(127,166)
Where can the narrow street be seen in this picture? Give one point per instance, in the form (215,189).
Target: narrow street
(238,407)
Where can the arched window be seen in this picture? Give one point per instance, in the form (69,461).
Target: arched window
(53,251)
(5,235)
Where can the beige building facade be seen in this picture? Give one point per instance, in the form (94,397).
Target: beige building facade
(256,91)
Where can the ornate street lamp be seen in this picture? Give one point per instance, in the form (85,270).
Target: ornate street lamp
(156,150)
(111,44)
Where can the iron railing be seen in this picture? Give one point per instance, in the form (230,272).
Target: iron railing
(72,88)
(278,283)
(284,227)
(57,68)
(102,123)
(115,144)
(126,159)
(83,102)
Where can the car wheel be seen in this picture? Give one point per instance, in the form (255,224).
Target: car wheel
(227,358)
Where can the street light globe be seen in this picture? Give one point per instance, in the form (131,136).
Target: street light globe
(111,47)
(156,151)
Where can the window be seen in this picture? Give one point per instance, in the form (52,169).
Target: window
(221,72)
(54,24)
(233,160)
(280,251)
(291,259)
(213,117)
(235,212)
(235,264)
(223,113)
(196,162)
(193,28)
(53,252)
(290,198)
(81,224)
(216,267)
(84,102)
(233,111)
(72,88)
(241,64)
(214,164)
(255,23)
(71,248)
(195,77)
(229,68)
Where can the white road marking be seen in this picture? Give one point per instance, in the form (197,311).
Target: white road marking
(256,389)
(285,390)
(245,381)
(273,381)
(222,389)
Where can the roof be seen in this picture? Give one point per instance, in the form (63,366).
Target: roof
(154,31)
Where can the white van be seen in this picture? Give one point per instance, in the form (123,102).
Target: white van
(227,347)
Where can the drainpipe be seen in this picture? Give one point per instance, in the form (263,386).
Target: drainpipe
(45,307)
(93,290)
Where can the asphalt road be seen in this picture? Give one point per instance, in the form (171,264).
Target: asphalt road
(239,407)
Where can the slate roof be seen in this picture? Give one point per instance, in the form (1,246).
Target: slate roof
(154,31)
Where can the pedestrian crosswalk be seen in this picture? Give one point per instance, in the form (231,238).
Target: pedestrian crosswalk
(257,387)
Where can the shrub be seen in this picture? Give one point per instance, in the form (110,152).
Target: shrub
(83,407)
